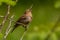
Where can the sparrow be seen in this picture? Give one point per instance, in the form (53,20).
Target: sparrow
(24,20)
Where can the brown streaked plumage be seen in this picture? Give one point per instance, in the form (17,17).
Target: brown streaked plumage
(24,20)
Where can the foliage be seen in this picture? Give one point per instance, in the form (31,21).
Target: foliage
(45,15)
(9,2)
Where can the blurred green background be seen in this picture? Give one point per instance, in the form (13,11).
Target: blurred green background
(45,15)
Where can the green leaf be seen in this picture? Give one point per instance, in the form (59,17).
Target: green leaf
(13,3)
(10,2)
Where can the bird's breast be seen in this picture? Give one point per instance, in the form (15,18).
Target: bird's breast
(28,18)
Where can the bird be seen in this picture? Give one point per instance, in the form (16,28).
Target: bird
(24,20)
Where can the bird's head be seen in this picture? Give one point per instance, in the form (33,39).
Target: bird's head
(29,9)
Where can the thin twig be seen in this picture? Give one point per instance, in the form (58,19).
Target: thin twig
(5,18)
(7,30)
(24,33)
(1,16)
(53,29)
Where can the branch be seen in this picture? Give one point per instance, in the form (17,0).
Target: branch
(5,18)
(53,29)
(24,33)
(1,16)
(7,30)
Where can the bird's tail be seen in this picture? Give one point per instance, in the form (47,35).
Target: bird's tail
(15,26)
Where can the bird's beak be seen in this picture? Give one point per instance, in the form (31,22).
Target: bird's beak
(31,7)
